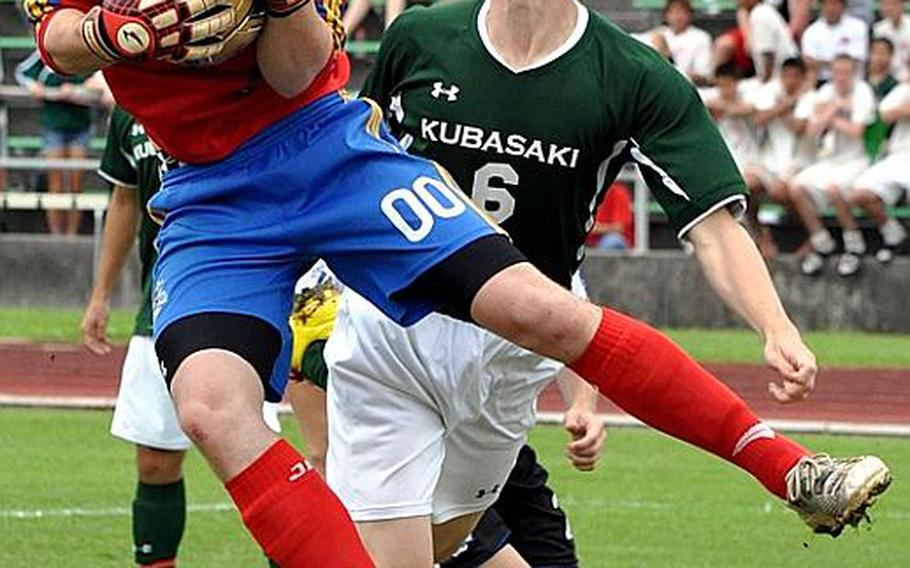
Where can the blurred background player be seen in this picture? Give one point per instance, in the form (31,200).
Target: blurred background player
(888,180)
(144,414)
(783,149)
(841,111)
(834,33)
(526,523)
(895,26)
(66,129)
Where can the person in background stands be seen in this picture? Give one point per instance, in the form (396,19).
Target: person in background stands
(66,128)
(783,150)
(690,47)
(834,33)
(614,223)
(768,37)
(841,111)
(895,26)
(879,77)
(732,109)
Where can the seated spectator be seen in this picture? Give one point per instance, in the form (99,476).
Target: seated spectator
(887,181)
(880,79)
(614,223)
(66,124)
(731,107)
(733,46)
(783,150)
(769,39)
(689,46)
(840,112)
(895,26)
(832,34)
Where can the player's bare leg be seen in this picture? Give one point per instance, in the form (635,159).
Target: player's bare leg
(383,540)
(308,402)
(450,535)
(159,467)
(651,378)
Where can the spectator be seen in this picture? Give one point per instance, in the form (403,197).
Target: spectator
(840,112)
(769,39)
(784,150)
(880,79)
(730,105)
(888,180)
(614,223)
(895,26)
(689,46)
(66,123)
(834,33)
(733,46)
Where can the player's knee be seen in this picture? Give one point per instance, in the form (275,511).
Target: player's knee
(159,467)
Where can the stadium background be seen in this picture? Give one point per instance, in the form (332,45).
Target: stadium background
(65,484)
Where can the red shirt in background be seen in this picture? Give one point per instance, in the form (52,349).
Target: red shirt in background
(202,114)
(616,208)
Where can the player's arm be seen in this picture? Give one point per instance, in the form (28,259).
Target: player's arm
(294,47)
(62,45)
(120,229)
(586,429)
(672,134)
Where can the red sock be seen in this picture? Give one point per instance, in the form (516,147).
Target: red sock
(293,515)
(651,378)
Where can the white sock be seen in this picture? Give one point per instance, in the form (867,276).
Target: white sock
(893,232)
(854,242)
(823,242)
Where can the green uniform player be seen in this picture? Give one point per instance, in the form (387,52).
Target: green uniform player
(508,140)
(144,414)
(535,106)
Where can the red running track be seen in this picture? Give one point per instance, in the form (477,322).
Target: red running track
(860,396)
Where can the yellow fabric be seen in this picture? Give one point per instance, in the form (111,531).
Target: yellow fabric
(313,320)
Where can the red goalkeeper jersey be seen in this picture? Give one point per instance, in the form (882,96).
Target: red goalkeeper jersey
(202,114)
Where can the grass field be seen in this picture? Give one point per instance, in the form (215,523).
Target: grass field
(721,346)
(653,503)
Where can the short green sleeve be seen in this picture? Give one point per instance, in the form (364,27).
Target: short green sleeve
(117,164)
(391,62)
(313,366)
(679,150)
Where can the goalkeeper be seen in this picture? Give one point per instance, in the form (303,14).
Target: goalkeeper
(542,537)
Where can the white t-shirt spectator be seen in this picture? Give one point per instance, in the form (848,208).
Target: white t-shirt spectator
(769,33)
(899,142)
(823,42)
(900,37)
(836,145)
(691,51)
(739,131)
(782,151)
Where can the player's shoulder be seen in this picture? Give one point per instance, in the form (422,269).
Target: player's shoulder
(628,54)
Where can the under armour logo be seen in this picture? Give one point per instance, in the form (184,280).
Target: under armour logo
(298,470)
(481,493)
(440,89)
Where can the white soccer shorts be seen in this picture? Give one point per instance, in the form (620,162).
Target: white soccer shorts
(426,420)
(144,413)
(829,172)
(888,179)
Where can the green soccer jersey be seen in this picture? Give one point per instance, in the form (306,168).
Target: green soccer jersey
(538,147)
(130,160)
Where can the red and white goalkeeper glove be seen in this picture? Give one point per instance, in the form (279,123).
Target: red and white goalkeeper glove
(155,29)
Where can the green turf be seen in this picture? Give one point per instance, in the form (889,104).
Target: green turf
(653,503)
(719,346)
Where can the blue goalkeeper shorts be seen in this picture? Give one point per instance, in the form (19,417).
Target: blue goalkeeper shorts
(327,182)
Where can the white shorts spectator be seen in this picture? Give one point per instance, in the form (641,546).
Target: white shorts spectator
(824,174)
(417,428)
(144,414)
(888,179)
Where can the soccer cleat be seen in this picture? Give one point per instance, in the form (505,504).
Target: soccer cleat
(830,494)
